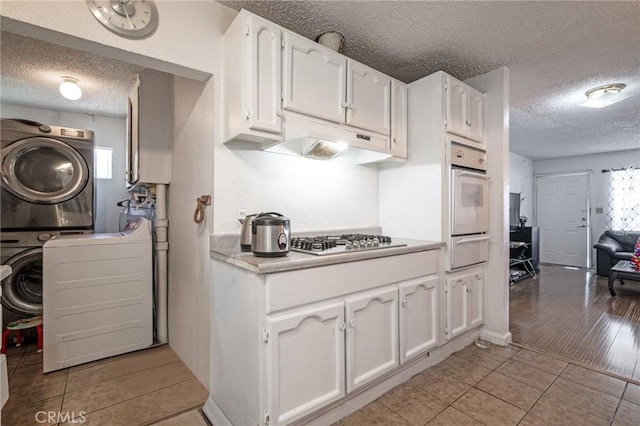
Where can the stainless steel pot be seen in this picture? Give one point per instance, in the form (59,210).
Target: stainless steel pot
(270,235)
(245,232)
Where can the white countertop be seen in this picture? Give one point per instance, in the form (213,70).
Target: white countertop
(227,248)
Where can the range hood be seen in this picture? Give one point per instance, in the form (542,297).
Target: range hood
(312,138)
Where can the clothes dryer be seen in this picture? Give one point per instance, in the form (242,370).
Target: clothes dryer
(46,176)
(98,295)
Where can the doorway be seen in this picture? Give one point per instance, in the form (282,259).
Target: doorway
(562,213)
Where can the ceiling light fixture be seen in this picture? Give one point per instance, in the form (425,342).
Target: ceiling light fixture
(603,96)
(70,89)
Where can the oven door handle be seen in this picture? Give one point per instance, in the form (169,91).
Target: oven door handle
(472,240)
(475,175)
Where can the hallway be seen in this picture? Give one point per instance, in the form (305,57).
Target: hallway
(568,312)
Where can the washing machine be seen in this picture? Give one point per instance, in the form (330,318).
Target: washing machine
(22,290)
(98,295)
(46,177)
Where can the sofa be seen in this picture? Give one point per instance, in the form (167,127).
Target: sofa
(612,247)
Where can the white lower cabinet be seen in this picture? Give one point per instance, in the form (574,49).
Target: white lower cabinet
(464,302)
(304,361)
(418,316)
(372,335)
(296,346)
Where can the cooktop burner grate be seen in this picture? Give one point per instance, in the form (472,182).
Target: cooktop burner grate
(331,244)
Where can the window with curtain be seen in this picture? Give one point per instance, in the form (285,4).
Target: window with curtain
(624,200)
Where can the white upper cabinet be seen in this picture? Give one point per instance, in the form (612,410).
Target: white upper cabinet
(274,79)
(252,80)
(314,79)
(464,110)
(372,335)
(476,115)
(399,122)
(304,360)
(264,77)
(368,98)
(418,316)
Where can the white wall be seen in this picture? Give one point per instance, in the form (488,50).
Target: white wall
(495,85)
(521,180)
(109,133)
(313,194)
(598,181)
(188,39)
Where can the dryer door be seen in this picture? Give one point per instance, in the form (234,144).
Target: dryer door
(43,170)
(22,290)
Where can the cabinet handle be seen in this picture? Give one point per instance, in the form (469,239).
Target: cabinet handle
(469,124)
(478,277)
(343,326)
(345,104)
(404,303)
(394,140)
(350,106)
(468,289)
(352,323)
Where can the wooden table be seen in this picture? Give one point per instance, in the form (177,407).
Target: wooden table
(622,271)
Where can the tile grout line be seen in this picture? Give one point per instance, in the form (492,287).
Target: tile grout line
(615,413)
(138,396)
(545,391)
(579,364)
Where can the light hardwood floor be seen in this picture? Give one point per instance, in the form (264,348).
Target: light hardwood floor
(570,313)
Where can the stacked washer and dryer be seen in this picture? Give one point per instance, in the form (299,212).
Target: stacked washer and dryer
(47,190)
(95,290)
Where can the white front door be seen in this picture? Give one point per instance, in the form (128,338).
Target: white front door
(562,214)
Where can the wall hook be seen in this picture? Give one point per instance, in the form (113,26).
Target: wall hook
(198,215)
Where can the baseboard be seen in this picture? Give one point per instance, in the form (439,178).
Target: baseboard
(358,399)
(353,402)
(495,337)
(214,413)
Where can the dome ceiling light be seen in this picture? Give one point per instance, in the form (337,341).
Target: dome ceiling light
(70,89)
(603,96)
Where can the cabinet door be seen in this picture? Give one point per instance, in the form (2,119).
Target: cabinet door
(314,79)
(457,306)
(476,300)
(264,77)
(399,111)
(304,361)
(372,336)
(418,316)
(476,115)
(456,106)
(368,98)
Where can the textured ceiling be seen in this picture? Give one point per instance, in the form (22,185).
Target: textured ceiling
(32,71)
(555,50)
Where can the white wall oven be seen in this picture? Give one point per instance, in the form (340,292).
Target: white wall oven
(469,206)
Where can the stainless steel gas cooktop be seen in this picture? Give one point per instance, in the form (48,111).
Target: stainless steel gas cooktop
(331,244)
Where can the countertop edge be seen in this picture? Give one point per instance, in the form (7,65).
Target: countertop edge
(296,261)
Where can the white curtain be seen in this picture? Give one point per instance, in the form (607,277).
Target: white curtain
(624,200)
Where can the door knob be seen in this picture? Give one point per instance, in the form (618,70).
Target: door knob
(582,226)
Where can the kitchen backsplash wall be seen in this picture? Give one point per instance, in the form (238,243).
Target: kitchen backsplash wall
(313,194)
(109,133)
